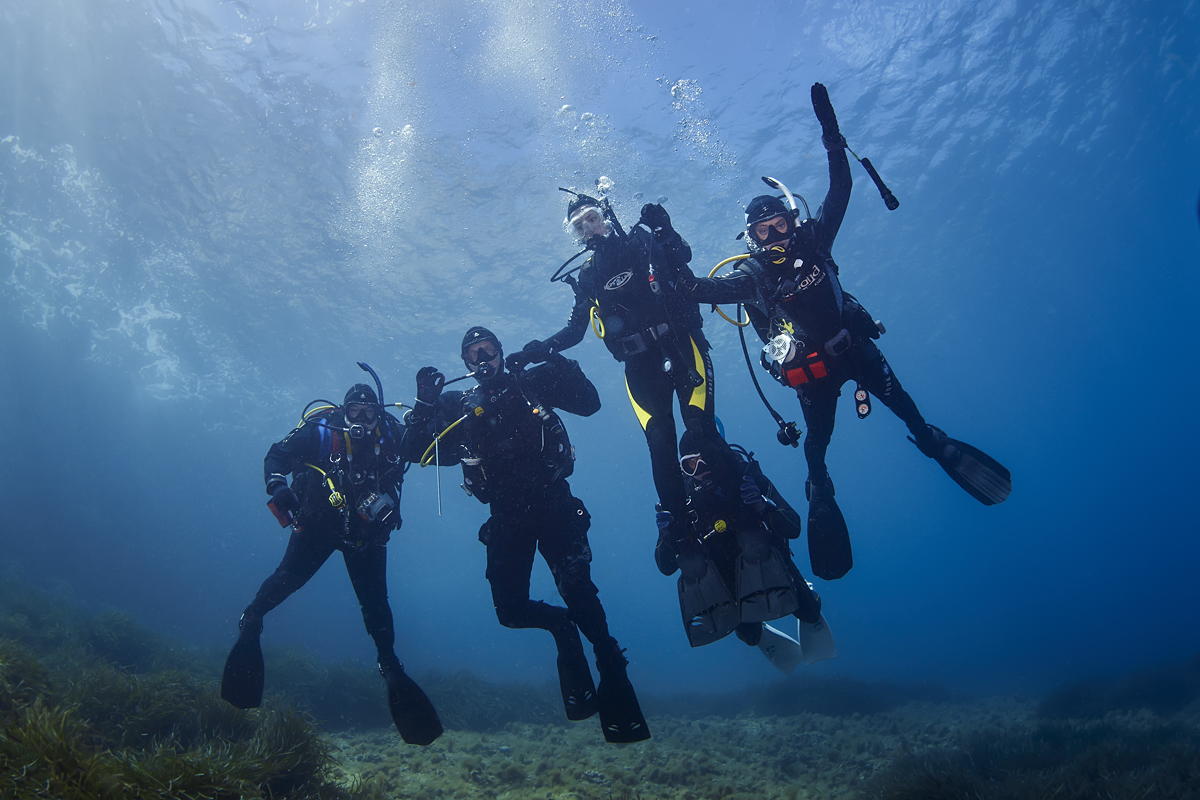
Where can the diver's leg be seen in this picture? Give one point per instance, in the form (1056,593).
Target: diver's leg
(412,712)
(564,545)
(650,391)
(697,407)
(511,545)
(819,405)
(367,569)
(242,678)
(829,549)
(569,555)
(307,550)
(876,375)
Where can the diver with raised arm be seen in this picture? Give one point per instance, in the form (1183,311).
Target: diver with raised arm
(516,457)
(622,293)
(819,337)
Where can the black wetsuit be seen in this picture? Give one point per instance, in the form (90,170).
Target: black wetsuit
(718,498)
(357,471)
(648,326)
(518,461)
(833,331)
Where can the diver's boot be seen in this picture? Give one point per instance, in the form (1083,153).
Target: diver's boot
(574,674)
(411,710)
(980,475)
(828,540)
(242,679)
(620,715)
(810,605)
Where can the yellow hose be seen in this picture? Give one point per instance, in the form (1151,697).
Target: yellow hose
(335,497)
(425,459)
(716,307)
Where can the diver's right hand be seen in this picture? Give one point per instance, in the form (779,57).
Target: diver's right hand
(656,218)
(285,499)
(429,385)
(663,519)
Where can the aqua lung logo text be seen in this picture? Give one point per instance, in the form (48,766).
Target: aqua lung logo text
(617,281)
(811,279)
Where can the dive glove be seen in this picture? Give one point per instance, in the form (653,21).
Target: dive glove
(830,135)
(534,352)
(751,495)
(656,218)
(284,498)
(429,385)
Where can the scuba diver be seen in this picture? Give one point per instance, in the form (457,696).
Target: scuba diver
(516,457)
(347,465)
(736,568)
(819,336)
(646,325)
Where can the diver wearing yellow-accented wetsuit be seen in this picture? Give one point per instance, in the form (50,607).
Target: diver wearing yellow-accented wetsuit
(647,326)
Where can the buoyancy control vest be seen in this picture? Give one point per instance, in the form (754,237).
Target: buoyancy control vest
(807,320)
(636,309)
(515,444)
(352,477)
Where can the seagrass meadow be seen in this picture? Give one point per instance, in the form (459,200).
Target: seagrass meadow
(95,706)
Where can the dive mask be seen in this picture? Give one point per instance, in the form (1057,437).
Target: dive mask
(586,223)
(360,418)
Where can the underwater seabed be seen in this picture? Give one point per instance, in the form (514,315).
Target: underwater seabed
(994,748)
(99,707)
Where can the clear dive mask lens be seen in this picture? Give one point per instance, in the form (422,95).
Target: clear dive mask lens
(481,353)
(360,412)
(587,222)
(691,464)
(771,230)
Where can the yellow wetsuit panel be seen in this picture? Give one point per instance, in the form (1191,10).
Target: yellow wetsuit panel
(700,393)
(643,417)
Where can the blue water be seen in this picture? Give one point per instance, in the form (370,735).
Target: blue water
(211,210)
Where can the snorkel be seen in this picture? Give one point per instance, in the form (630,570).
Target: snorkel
(358,431)
(777,184)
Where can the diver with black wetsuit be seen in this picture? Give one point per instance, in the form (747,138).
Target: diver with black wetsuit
(736,566)
(819,336)
(347,465)
(516,457)
(646,325)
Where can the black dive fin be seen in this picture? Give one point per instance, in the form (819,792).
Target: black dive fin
(828,539)
(575,676)
(980,475)
(620,715)
(242,681)
(411,710)
(708,609)
(764,587)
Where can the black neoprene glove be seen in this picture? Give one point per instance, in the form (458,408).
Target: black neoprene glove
(656,218)
(537,351)
(284,498)
(830,135)
(429,385)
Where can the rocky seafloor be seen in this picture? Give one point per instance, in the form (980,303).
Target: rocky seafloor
(997,747)
(96,706)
